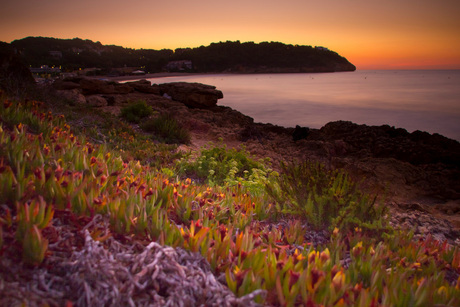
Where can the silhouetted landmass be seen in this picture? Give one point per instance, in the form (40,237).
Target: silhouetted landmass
(77,53)
(14,74)
(265,57)
(270,57)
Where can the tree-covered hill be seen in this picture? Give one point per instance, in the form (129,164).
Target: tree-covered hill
(228,56)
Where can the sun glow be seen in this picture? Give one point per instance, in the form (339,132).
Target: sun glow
(370,34)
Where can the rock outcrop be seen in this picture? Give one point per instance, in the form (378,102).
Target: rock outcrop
(389,142)
(193,95)
(96,101)
(94,86)
(144,86)
(73,95)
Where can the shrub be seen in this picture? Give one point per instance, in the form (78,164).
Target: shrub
(325,198)
(134,112)
(218,165)
(167,129)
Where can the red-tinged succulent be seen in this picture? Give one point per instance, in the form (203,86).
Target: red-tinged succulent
(293,277)
(338,280)
(7,103)
(2,166)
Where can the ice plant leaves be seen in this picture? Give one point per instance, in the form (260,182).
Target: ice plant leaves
(234,227)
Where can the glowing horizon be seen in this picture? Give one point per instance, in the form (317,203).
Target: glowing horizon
(413,34)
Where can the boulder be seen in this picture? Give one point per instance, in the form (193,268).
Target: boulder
(144,86)
(65,85)
(123,88)
(94,86)
(96,101)
(193,95)
(73,95)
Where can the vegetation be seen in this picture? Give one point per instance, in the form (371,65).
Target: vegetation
(236,56)
(325,198)
(134,112)
(46,168)
(217,165)
(167,129)
(216,57)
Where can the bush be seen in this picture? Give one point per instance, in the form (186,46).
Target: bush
(218,165)
(134,112)
(167,129)
(325,198)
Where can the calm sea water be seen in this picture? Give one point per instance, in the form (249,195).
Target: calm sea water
(414,100)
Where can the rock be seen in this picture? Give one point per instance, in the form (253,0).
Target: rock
(418,148)
(193,95)
(65,85)
(139,82)
(94,86)
(96,101)
(123,88)
(251,132)
(144,86)
(300,133)
(73,96)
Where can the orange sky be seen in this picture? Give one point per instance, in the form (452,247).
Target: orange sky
(372,34)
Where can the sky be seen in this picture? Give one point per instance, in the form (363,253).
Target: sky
(372,34)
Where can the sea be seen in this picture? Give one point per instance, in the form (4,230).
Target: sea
(426,100)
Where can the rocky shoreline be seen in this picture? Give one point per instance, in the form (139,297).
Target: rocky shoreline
(417,174)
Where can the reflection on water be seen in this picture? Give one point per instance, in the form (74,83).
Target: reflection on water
(414,100)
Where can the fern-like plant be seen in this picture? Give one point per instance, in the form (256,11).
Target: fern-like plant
(136,111)
(325,198)
(167,129)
